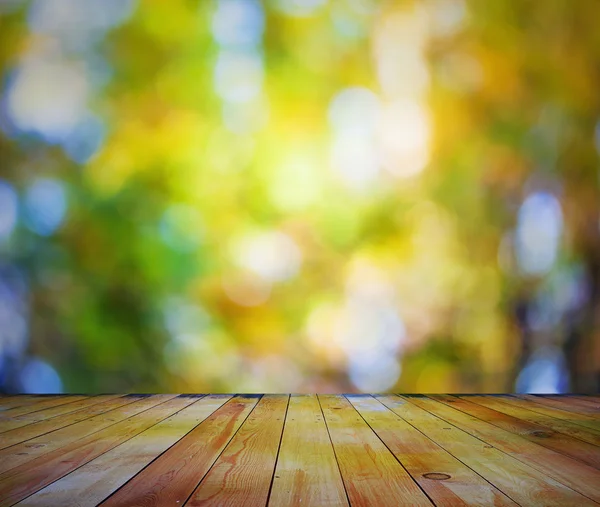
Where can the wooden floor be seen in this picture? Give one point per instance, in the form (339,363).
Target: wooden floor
(280,450)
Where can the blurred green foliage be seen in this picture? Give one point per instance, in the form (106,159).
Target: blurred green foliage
(211,242)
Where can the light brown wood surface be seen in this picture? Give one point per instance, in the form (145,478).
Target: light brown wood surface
(279,450)
(24,480)
(307,472)
(590,423)
(171,479)
(9,402)
(533,432)
(564,404)
(445,479)
(97,479)
(14,417)
(559,425)
(521,482)
(568,471)
(580,404)
(80,410)
(119,409)
(371,473)
(243,473)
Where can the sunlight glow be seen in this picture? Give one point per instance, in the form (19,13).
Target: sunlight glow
(538,233)
(404,138)
(238,75)
(273,255)
(238,22)
(48,97)
(354,115)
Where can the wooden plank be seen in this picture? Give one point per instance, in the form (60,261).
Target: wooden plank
(170,479)
(590,423)
(372,475)
(24,404)
(502,404)
(307,473)
(95,405)
(49,413)
(9,402)
(570,472)
(243,473)
(522,483)
(446,480)
(579,405)
(13,413)
(561,404)
(24,480)
(482,450)
(541,435)
(595,398)
(119,409)
(96,480)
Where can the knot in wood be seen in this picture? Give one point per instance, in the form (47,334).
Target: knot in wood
(436,476)
(541,434)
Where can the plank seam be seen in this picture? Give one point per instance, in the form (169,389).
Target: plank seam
(567,408)
(223,450)
(24,403)
(387,447)
(168,448)
(508,454)
(532,405)
(85,436)
(108,450)
(6,416)
(61,427)
(542,443)
(448,450)
(278,449)
(568,399)
(562,432)
(333,447)
(550,405)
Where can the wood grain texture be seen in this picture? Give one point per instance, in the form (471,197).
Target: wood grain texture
(590,423)
(95,405)
(8,402)
(97,479)
(117,410)
(300,450)
(541,435)
(521,482)
(566,470)
(243,473)
(9,418)
(22,481)
(307,473)
(578,404)
(504,405)
(37,423)
(172,478)
(423,458)
(594,398)
(372,475)
(564,404)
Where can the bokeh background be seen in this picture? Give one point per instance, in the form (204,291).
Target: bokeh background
(299,195)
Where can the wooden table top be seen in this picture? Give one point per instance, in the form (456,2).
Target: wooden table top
(280,450)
